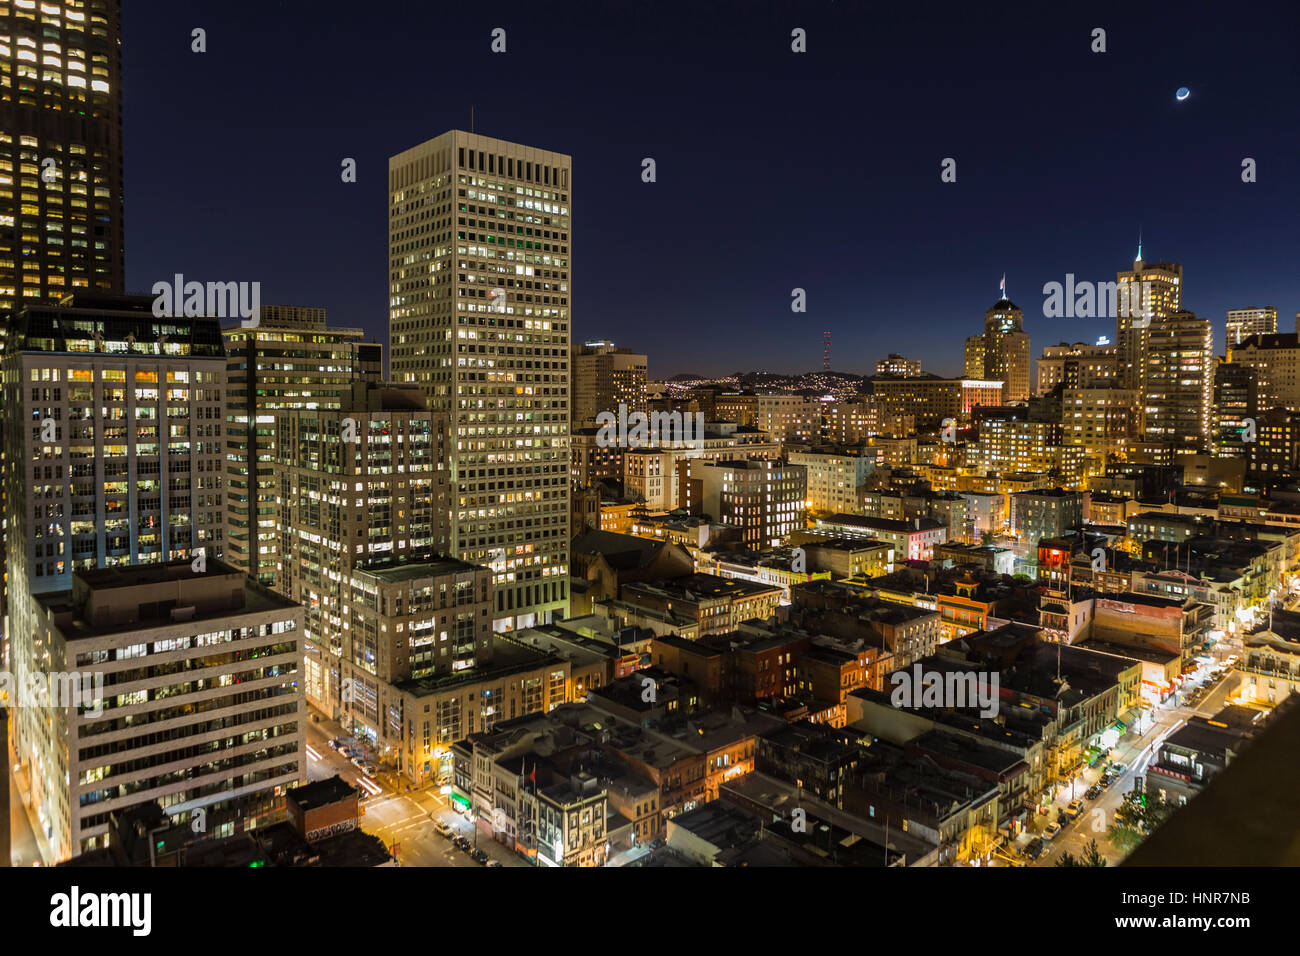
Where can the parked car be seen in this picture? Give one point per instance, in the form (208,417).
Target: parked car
(1052,830)
(461,843)
(334,744)
(478,856)
(443,829)
(1120,768)
(492,863)
(1035,848)
(370,770)
(1074,809)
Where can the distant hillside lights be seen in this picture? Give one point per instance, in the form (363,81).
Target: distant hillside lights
(216,300)
(1096,300)
(656,430)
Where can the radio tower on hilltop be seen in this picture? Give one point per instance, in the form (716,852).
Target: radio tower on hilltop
(826,351)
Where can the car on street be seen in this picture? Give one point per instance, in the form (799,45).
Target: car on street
(478,856)
(1120,768)
(443,829)
(1035,848)
(1093,792)
(461,843)
(1074,809)
(370,770)
(334,744)
(1052,830)
(492,863)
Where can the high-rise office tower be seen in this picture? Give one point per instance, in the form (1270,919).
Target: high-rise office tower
(60,149)
(114,456)
(1275,360)
(290,359)
(114,447)
(1243,323)
(479,292)
(605,377)
(1178,384)
(1236,398)
(1004,350)
(356,485)
(1147,291)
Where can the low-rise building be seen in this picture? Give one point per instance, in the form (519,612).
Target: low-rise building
(715,604)
(912,540)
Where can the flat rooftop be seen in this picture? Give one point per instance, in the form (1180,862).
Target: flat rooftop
(135,575)
(321,793)
(508,658)
(395,571)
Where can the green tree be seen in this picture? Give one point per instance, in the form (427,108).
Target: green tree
(1092,855)
(1137,818)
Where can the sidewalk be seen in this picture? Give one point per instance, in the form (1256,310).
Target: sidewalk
(22,784)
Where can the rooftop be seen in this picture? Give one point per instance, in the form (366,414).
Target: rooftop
(398,571)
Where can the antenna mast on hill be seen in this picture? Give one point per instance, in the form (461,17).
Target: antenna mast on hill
(826,351)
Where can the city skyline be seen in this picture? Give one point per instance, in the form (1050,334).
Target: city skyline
(383,489)
(1041,192)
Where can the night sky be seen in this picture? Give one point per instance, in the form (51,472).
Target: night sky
(775,169)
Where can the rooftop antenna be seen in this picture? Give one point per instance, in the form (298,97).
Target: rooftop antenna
(1139,258)
(826,351)
(1002,286)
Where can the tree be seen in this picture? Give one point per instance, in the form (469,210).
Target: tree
(1137,818)
(1092,855)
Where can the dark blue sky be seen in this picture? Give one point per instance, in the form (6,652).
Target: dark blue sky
(775,170)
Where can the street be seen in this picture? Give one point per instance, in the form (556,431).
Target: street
(1136,752)
(398,816)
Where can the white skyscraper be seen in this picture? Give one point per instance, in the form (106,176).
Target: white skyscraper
(479,318)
